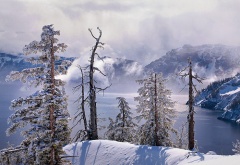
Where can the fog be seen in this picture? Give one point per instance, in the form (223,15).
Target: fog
(141,30)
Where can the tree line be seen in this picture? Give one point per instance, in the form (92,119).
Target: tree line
(44,114)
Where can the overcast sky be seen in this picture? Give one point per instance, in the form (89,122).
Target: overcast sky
(141,30)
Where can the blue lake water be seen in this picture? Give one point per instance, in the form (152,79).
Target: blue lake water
(211,134)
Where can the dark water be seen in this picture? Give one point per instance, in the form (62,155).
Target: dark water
(8,92)
(211,134)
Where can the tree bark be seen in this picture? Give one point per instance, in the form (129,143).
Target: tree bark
(157,141)
(123,119)
(83,106)
(191,110)
(52,118)
(92,90)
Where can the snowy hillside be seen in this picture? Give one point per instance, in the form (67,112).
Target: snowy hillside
(99,152)
(222,95)
(211,61)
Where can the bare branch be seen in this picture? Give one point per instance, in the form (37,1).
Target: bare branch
(101,43)
(99,57)
(90,30)
(12,150)
(199,79)
(99,46)
(183,70)
(103,89)
(183,88)
(195,89)
(95,68)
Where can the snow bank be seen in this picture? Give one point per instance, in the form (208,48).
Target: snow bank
(105,152)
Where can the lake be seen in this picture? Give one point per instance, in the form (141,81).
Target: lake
(211,134)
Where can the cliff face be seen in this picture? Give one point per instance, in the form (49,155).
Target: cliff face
(222,95)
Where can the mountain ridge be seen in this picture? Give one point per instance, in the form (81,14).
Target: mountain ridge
(222,95)
(210,60)
(214,62)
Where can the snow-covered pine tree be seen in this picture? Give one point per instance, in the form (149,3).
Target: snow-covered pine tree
(236,147)
(156,108)
(123,127)
(182,137)
(44,114)
(110,130)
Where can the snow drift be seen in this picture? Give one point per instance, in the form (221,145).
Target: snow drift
(101,152)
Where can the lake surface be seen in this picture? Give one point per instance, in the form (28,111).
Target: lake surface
(211,134)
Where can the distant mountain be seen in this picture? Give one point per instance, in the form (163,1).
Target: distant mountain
(210,61)
(213,62)
(116,69)
(222,95)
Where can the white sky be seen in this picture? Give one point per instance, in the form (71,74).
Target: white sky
(142,30)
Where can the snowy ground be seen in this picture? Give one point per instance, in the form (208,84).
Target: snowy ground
(105,152)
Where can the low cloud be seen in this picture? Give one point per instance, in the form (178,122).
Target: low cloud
(138,30)
(105,66)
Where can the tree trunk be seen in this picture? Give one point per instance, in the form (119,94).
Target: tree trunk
(156,117)
(52,118)
(191,110)
(83,106)
(92,89)
(92,97)
(123,119)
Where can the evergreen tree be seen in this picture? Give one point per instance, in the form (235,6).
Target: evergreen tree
(236,147)
(111,130)
(156,108)
(182,137)
(44,114)
(123,127)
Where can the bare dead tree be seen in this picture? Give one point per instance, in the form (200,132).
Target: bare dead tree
(93,132)
(80,114)
(183,73)
(90,131)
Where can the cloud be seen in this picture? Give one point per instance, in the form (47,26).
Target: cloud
(141,30)
(104,66)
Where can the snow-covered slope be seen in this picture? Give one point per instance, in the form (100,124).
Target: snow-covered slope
(99,152)
(210,61)
(222,95)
